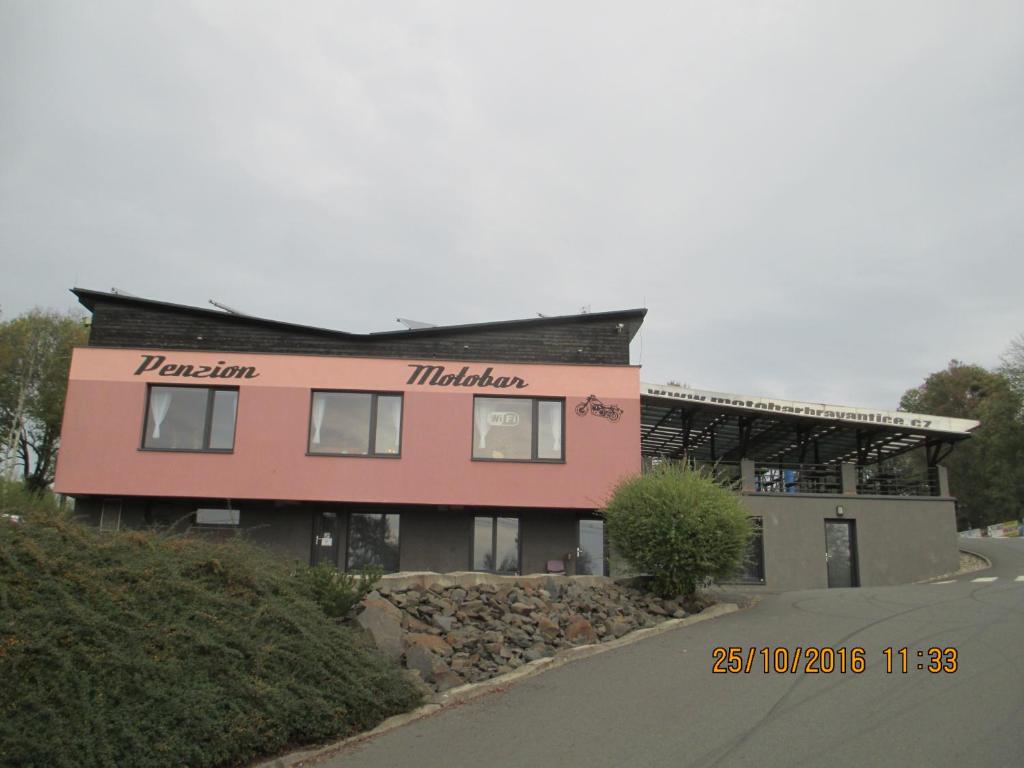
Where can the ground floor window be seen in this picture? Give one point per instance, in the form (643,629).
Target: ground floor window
(110,515)
(495,544)
(590,558)
(373,541)
(753,560)
(217,517)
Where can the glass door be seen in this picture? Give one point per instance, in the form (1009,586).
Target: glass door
(325,538)
(590,559)
(495,544)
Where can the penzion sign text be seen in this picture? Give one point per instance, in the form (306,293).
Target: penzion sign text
(159,364)
(435,376)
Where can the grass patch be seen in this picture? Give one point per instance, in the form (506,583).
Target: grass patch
(140,649)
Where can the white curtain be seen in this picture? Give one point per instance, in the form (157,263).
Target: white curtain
(555,419)
(319,404)
(159,402)
(396,415)
(483,426)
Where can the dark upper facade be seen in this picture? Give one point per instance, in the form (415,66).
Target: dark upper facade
(600,338)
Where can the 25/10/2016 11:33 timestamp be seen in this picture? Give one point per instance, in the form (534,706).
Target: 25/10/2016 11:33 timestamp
(826,660)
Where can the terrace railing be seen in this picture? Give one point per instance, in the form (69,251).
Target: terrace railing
(824,479)
(725,473)
(798,478)
(877,481)
(728,474)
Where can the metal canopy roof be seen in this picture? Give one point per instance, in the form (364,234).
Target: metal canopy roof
(717,426)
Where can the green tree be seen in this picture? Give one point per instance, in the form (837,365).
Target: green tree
(1012,365)
(677,525)
(986,473)
(35,354)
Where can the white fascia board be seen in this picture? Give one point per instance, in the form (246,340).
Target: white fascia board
(818,411)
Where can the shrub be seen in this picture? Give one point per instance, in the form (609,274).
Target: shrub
(337,592)
(137,649)
(16,499)
(678,526)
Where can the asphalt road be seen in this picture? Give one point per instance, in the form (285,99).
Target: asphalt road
(657,703)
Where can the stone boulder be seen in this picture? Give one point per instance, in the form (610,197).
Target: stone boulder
(548,629)
(430,666)
(384,623)
(619,627)
(432,643)
(579,631)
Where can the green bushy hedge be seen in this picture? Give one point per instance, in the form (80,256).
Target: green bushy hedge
(136,649)
(677,525)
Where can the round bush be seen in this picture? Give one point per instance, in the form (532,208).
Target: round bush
(677,525)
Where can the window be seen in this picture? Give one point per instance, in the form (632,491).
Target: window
(517,429)
(753,560)
(110,515)
(356,424)
(496,544)
(219,517)
(190,419)
(372,542)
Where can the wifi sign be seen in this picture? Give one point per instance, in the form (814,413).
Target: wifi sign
(503,419)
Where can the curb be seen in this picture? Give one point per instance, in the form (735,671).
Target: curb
(466,693)
(980,557)
(959,572)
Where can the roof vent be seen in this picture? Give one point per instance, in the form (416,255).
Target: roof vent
(227,309)
(414,325)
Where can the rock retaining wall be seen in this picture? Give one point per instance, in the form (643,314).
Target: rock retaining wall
(453,629)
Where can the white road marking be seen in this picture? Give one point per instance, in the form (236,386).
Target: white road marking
(947,581)
(1019,578)
(985,578)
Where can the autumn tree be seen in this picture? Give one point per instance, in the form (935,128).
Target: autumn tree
(986,473)
(35,354)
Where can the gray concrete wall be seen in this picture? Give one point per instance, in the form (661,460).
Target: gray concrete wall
(440,540)
(435,540)
(546,535)
(430,539)
(283,528)
(87,511)
(899,539)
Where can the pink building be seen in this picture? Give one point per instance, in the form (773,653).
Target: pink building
(485,447)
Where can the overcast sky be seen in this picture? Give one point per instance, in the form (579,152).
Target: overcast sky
(815,200)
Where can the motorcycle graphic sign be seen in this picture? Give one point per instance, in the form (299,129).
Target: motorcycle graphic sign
(594,405)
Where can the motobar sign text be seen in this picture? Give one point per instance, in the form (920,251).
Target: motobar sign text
(435,376)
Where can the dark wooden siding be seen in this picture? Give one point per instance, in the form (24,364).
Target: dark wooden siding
(587,339)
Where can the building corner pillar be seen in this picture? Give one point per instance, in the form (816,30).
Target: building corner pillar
(747,476)
(943,476)
(849,479)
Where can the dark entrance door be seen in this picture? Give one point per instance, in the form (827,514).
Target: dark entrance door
(325,538)
(841,553)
